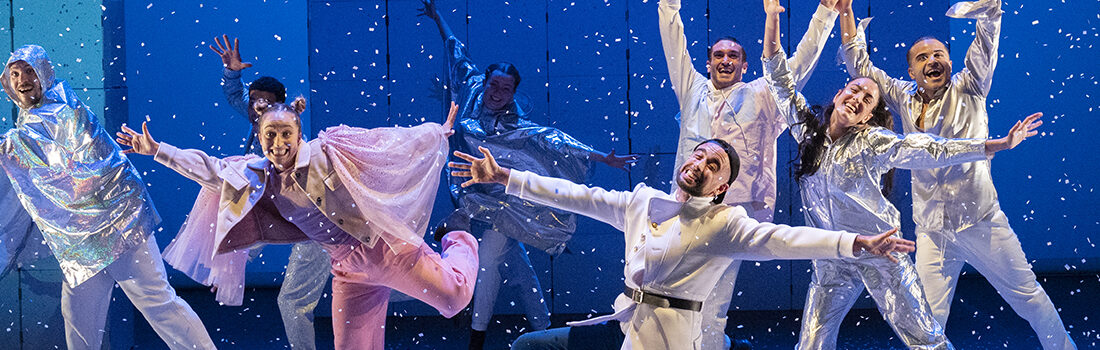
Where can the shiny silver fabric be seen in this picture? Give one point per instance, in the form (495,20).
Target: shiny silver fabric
(16,228)
(836,285)
(957,197)
(517,143)
(85,196)
(845,194)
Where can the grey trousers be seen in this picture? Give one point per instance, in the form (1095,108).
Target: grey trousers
(307,272)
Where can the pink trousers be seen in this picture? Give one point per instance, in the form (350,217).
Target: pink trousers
(362,282)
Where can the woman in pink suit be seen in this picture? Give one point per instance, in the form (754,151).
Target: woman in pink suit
(364,195)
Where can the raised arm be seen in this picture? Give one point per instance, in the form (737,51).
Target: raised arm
(191,163)
(788,99)
(459,66)
(808,52)
(431,11)
(594,202)
(981,57)
(681,72)
(772,9)
(923,151)
(858,62)
(232,86)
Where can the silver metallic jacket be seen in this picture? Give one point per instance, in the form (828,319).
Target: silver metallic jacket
(85,196)
(845,192)
(948,199)
(516,143)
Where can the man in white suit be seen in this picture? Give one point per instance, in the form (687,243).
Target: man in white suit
(677,245)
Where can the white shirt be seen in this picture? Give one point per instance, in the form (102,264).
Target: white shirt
(677,249)
(744,114)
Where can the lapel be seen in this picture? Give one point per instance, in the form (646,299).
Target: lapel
(668,219)
(316,175)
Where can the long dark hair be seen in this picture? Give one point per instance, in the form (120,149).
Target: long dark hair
(811,148)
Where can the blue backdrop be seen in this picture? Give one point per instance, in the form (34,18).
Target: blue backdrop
(595,70)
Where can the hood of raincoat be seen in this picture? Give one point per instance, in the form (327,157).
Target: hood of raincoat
(35,56)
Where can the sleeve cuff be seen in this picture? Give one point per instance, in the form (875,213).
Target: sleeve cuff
(231,74)
(672,4)
(770,63)
(824,13)
(516,179)
(981,9)
(165,153)
(847,241)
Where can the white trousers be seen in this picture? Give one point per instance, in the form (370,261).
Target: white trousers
(993,249)
(141,275)
(718,302)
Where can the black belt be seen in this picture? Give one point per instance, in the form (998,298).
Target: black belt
(642,297)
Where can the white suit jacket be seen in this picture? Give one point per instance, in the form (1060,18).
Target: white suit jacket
(677,249)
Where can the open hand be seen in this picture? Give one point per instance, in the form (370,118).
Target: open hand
(142,143)
(883,244)
(616,161)
(429,10)
(772,7)
(1023,129)
(479,170)
(230,54)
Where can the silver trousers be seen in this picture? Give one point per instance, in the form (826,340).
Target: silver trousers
(895,287)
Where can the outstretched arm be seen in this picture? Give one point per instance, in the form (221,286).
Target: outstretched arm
(787,98)
(612,160)
(772,9)
(459,66)
(594,202)
(681,72)
(193,164)
(753,240)
(924,151)
(431,11)
(1017,134)
(232,86)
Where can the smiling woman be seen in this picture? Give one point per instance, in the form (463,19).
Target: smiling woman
(280,130)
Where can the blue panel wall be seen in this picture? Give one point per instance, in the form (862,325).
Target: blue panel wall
(593,69)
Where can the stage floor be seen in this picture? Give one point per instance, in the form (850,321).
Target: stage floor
(980,320)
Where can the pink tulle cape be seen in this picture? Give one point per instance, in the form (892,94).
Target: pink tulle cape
(391,173)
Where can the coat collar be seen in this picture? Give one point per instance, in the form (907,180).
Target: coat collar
(301,161)
(663,208)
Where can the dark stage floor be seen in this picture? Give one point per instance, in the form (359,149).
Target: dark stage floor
(979,320)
